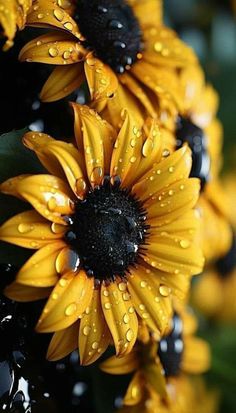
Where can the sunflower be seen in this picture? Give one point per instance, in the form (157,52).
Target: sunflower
(119,47)
(160,368)
(115,233)
(13,15)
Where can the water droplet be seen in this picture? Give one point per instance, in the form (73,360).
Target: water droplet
(62,282)
(71,309)
(129,335)
(158,46)
(24,228)
(95,345)
(86,330)
(145,316)
(164,290)
(122,286)
(52,203)
(147,148)
(143,284)
(126,296)
(68,26)
(107,306)
(40,16)
(66,54)
(54,296)
(171,169)
(105,293)
(96,175)
(184,243)
(131,310)
(59,14)
(53,51)
(126,318)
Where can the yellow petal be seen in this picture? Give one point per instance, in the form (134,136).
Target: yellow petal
(53,48)
(8,18)
(50,15)
(173,202)
(187,224)
(60,158)
(40,269)
(49,195)
(63,343)
(209,304)
(196,356)
(127,150)
(154,376)
(102,81)
(121,365)
(30,230)
(94,336)
(135,391)
(120,316)
(24,293)
(62,81)
(10,186)
(67,302)
(148,12)
(206,107)
(174,254)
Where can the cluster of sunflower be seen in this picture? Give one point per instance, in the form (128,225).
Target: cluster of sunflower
(129,211)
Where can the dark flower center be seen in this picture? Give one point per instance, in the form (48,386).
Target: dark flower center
(170,349)
(186,131)
(111,30)
(107,231)
(227,264)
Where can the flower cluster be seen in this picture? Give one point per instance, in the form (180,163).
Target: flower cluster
(126,213)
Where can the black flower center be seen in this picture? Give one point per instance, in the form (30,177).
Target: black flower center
(170,349)
(227,264)
(111,30)
(186,131)
(108,230)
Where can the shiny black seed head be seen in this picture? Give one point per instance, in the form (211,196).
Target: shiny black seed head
(227,263)
(170,349)
(186,131)
(111,30)
(107,231)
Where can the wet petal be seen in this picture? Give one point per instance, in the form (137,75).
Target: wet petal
(151,299)
(127,150)
(30,230)
(94,336)
(60,158)
(135,391)
(40,269)
(53,48)
(174,168)
(8,21)
(63,342)
(24,293)
(121,365)
(49,195)
(102,81)
(174,254)
(67,302)
(62,81)
(196,356)
(120,316)
(187,225)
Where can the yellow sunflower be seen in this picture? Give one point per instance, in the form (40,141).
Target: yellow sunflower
(13,15)
(160,367)
(114,229)
(119,47)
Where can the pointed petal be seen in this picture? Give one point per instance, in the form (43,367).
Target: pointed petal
(62,82)
(30,230)
(8,22)
(135,391)
(54,48)
(174,254)
(60,158)
(40,269)
(196,356)
(24,293)
(151,299)
(102,81)
(94,336)
(67,302)
(63,342)
(174,168)
(173,202)
(49,195)
(121,365)
(127,150)
(154,375)
(120,316)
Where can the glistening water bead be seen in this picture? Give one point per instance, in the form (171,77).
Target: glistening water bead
(171,347)
(111,30)
(187,132)
(107,230)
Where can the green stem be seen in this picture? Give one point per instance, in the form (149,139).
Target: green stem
(223,369)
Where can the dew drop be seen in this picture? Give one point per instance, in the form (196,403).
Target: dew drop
(122,286)
(53,51)
(126,318)
(164,290)
(52,203)
(68,26)
(95,345)
(147,148)
(129,335)
(184,243)
(171,169)
(86,330)
(131,310)
(71,309)
(143,284)
(24,228)
(59,14)
(107,306)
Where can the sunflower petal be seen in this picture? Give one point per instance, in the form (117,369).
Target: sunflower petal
(102,81)
(40,269)
(30,230)
(24,293)
(62,81)
(154,375)
(49,195)
(206,107)
(151,301)
(196,356)
(53,48)
(60,158)
(121,365)
(148,12)
(174,168)
(135,391)
(94,336)
(63,342)
(67,302)
(8,21)
(174,254)
(120,316)
(127,150)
